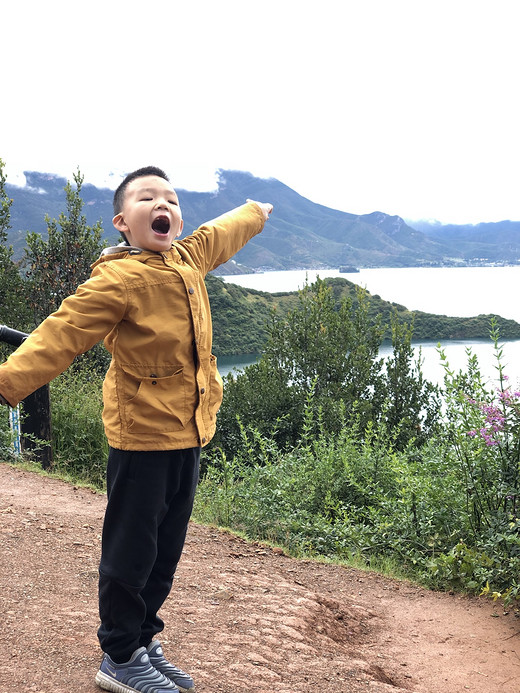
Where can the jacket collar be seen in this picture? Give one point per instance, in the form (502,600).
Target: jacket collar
(122,250)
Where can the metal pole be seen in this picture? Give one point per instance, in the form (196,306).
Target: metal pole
(12,337)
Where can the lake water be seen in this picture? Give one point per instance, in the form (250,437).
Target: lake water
(458,292)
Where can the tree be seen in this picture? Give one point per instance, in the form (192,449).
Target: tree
(413,403)
(13,307)
(333,348)
(326,353)
(318,347)
(57,265)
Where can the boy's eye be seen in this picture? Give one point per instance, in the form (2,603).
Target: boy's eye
(173,202)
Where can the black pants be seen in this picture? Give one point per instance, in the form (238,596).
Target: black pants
(150,499)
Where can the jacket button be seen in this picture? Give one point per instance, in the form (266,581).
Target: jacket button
(203,440)
(191,290)
(202,390)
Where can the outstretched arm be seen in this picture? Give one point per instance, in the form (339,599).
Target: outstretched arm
(218,240)
(83,319)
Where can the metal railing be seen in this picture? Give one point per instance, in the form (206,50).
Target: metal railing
(12,337)
(35,423)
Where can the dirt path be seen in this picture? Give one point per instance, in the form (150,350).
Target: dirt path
(241,617)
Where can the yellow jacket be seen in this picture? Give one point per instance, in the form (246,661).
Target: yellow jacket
(162,390)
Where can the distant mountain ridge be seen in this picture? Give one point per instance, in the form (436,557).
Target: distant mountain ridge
(301,234)
(488,241)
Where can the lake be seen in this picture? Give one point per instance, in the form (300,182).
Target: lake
(453,291)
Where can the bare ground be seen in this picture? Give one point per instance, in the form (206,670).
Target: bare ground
(241,617)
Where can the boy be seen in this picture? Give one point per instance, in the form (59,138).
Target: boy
(147,300)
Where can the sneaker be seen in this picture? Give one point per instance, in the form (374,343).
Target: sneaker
(181,679)
(135,675)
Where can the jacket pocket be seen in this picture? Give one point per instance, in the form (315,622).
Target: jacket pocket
(216,388)
(155,399)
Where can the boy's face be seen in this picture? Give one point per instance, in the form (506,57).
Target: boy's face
(150,217)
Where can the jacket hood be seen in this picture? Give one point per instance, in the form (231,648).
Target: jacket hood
(121,250)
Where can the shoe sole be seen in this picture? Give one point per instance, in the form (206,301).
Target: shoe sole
(110,684)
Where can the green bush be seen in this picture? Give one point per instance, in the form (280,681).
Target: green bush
(348,494)
(444,512)
(483,445)
(79,445)
(335,351)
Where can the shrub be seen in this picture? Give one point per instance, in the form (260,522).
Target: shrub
(333,350)
(348,494)
(483,443)
(79,444)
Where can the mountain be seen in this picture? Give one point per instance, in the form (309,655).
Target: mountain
(300,234)
(492,242)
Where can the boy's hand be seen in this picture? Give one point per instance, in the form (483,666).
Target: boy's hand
(266,208)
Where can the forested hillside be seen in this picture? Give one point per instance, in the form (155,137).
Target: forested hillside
(240,317)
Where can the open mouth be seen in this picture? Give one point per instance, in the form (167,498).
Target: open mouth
(161,225)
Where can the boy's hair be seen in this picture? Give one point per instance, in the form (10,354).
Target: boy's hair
(119,194)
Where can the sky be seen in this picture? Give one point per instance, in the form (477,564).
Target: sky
(408,107)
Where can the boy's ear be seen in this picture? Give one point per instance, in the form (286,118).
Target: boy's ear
(119,223)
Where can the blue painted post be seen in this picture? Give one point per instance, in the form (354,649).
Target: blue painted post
(14,424)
